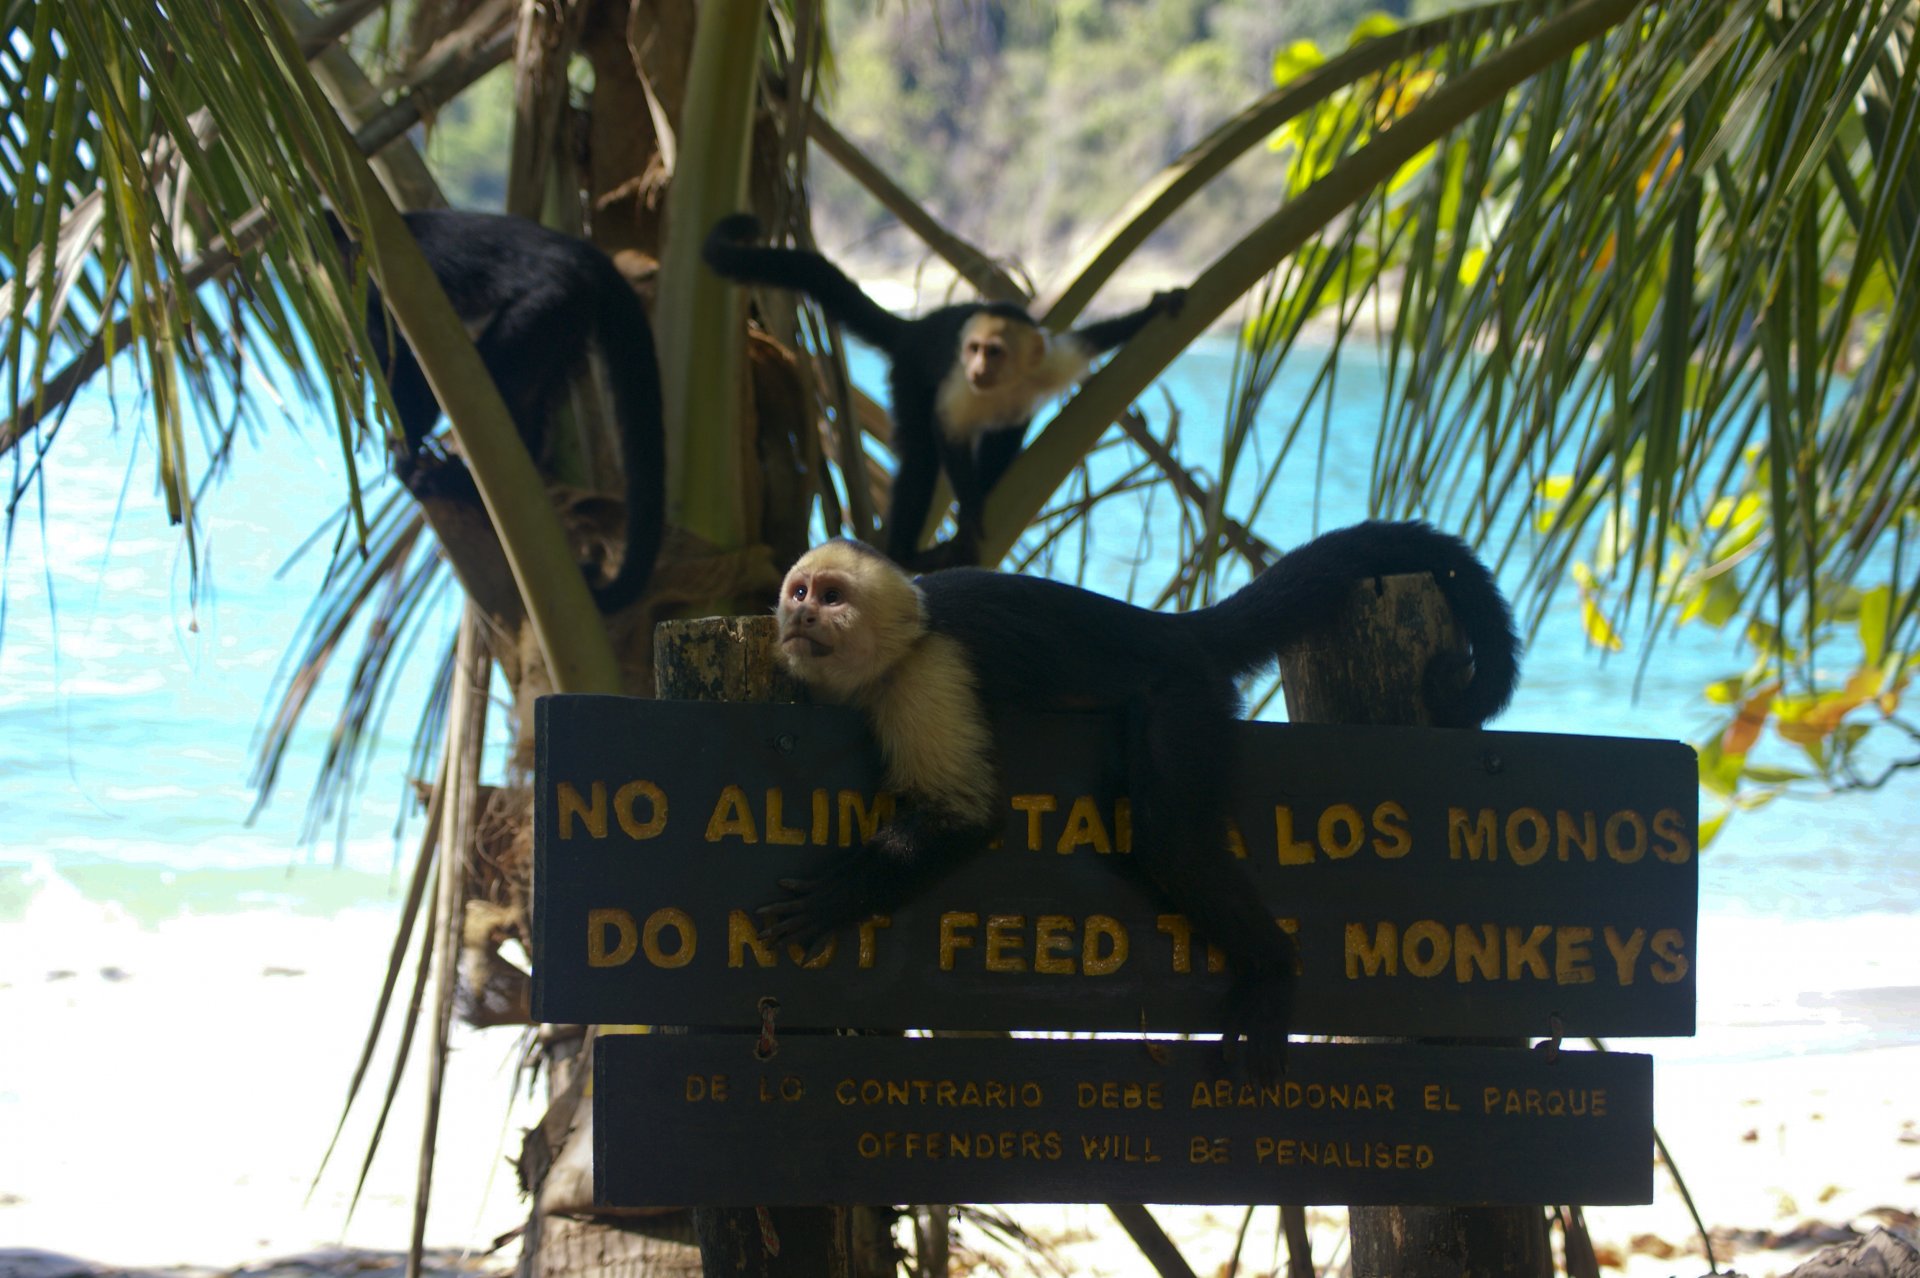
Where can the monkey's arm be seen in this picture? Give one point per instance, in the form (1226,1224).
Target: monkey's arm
(1107,334)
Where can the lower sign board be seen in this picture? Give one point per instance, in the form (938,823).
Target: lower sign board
(698,1118)
(1437,882)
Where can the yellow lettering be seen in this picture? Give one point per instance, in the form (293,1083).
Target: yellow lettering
(1390,819)
(778,832)
(567,799)
(1123,824)
(1053,945)
(1623,852)
(1476,841)
(1525,955)
(701,1087)
(1003,939)
(1586,837)
(951,939)
(743,936)
(1676,844)
(1433,938)
(1176,927)
(1625,952)
(732,815)
(1034,805)
(1084,828)
(1380,958)
(1292,851)
(1572,961)
(598,921)
(869,935)
(1670,947)
(1476,952)
(1527,850)
(1341,832)
(1236,842)
(632,826)
(855,815)
(1092,961)
(658,922)
(822,819)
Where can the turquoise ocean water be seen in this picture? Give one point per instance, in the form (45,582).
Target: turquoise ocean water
(128,715)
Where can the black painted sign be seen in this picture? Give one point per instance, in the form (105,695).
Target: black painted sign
(697,1118)
(1439,882)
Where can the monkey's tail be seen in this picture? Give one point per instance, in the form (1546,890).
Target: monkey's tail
(1306,590)
(626,345)
(731,251)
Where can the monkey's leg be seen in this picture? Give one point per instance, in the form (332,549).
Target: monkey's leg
(970,502)
(1179,766)
(995,452)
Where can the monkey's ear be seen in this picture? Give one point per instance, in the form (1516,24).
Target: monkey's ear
(1033,344)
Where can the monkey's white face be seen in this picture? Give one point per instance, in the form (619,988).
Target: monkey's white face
(821,637)
(845,618)
(995,350)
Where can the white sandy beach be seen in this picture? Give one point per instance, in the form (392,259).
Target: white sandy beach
(166,1093)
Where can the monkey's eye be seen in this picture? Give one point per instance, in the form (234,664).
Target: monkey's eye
(799,592)
(832,597)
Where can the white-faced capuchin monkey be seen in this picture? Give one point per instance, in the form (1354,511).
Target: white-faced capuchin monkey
(533,299)
(965,379)
(931,662)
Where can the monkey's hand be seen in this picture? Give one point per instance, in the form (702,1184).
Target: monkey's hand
(889,869)
(1260,1009)
(430,477)
(815,909)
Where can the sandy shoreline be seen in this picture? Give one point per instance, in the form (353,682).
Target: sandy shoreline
(166,1093)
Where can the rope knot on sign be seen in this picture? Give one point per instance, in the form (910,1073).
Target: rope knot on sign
(767,1045)
(1549,1047)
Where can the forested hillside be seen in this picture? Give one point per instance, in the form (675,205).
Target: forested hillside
(1019,124)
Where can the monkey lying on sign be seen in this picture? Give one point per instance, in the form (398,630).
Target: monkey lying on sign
(930,661)
(965,379)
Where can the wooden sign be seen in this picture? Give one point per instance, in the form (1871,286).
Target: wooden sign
(696,1118)
(1438,882)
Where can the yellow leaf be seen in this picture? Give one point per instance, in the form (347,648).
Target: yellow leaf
(1292,61)
(1600,632)
(1373,26)
(1471,263)
(1724,692)
(1752,716)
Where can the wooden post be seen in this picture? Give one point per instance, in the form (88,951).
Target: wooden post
(1372,672)
(735,659)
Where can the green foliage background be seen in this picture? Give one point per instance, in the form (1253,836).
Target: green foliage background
(1001,118)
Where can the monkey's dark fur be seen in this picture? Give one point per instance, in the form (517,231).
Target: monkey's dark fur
(959,646)
(533,299)
(921,355)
